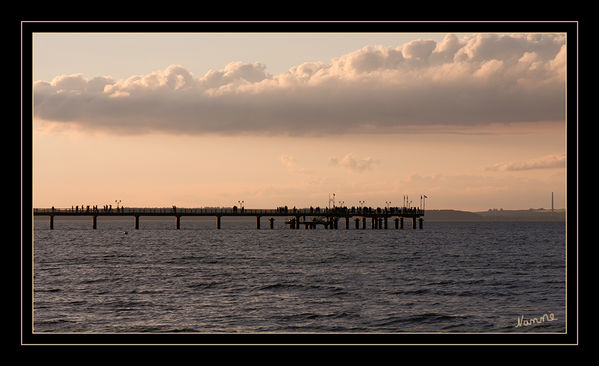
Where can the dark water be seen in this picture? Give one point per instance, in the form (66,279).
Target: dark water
(449,277)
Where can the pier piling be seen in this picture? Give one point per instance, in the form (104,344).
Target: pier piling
(217,222)
(272,221)
(137,222)
(51,222)
(178,222)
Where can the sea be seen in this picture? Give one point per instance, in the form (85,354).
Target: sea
(449,277)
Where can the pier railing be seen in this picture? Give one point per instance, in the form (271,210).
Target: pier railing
(230,211)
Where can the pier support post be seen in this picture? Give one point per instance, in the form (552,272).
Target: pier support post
(346,222)
(385,222)
(363,223)
(257,222)
(357,223)
(94,221)
(401,223)
(178,222)
(51,222)
(396,223)
(272,223)
(136,222)
(374,223)
(297,222)
(336,222)
(217,222)
(380,223)
(420,220)
(414,222)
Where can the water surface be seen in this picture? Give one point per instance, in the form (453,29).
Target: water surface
(449,277)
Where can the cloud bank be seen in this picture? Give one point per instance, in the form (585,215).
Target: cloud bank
(479,79)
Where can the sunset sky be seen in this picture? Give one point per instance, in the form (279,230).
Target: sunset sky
(474,121)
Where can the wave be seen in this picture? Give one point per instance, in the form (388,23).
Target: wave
(426,318)
(313,316)
(98,280)
(145,292)
(330,289)
(204,285)
(48,290)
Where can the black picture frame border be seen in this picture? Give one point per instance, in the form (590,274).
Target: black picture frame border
(574,83)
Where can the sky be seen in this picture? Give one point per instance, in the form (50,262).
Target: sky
(472,121)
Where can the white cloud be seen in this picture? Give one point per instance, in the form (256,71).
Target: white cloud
(353,163)
(546,162)
(288,161)
(478,79)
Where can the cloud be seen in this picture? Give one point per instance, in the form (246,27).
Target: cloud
(546,162)
(292,167)
(288,161)
(478,79)
(353,163)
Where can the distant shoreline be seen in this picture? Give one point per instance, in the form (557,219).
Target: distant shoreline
(536,215)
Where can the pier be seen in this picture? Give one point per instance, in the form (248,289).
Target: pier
(308,218)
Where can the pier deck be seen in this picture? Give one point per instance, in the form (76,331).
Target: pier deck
(331,217)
